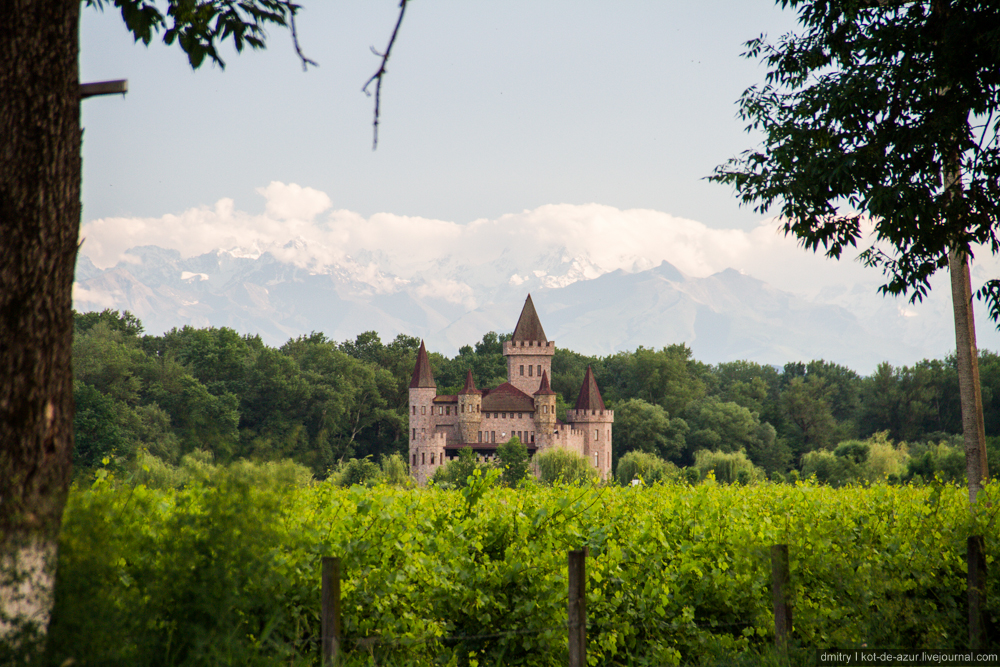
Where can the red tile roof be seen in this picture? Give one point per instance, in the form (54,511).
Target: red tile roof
(470,385)
(545,389)
(507,397)
(422,376)
(590,395)
(528,327)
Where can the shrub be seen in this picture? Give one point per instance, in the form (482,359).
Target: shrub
(396,471)
(512,459)
(647,467)
(727,466)
(362,472)
(560,464)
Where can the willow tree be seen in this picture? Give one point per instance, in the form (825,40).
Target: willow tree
(40,176)
(883,114)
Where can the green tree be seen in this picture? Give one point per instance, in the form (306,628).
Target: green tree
(808,411)
(558,464)
(513,460)
(644,427)
(866,116)
(647,467)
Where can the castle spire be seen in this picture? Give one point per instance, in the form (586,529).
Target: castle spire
(470,385)
(545,389)
(528,327)
(422,376)
(590,395)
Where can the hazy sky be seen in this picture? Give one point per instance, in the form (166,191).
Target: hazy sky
(488,109)
(596,120)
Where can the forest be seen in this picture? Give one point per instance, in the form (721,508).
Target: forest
(215,393)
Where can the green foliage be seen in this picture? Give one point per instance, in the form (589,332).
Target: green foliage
(728,467)
(675,573)
(646,467)
(512,459)
(561,465)
(396,471)
(644,427)
(456,472)
(363,472)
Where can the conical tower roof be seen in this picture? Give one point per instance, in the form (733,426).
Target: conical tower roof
(528,327)
(545,389)
(422,376)
(590,395)
(470,385)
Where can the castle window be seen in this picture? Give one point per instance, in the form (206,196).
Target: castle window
(597,460)
(447,411)
(518,415)
(440,410)
(414,459)
(463,407)
(503,415)
(493,436)
(532,436)
(522,369)
(480,436)
(414,409)
(545,409)
(530,371)
(597,434)
(414,434)
(539,370)
(423,458)
(496,415)
(423,409)
(432,459)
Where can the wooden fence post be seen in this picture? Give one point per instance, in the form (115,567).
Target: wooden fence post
(330,615)
(578,608)
(976,558)
(780,584)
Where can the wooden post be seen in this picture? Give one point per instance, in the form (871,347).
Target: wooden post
(780,583)
(330,615)
(578,608)
(977,592)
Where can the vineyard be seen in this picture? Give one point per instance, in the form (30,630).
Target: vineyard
(227,570)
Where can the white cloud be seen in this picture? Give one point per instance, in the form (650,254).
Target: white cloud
(556,243)
(95,299)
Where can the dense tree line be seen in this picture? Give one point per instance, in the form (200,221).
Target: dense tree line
(322,403)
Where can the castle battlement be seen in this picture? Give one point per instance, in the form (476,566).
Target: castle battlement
(524,406)
(590,415)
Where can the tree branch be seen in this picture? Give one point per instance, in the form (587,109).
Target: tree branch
(377,76)
(295,40)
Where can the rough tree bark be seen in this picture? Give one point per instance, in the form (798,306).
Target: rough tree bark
(39,220)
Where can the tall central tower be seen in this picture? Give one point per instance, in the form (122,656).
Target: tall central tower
(529,352)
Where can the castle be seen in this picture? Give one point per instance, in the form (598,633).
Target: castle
(524,406)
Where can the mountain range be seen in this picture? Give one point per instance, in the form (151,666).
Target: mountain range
(722,317)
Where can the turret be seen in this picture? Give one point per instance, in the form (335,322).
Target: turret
(545,407)
(470,417)
(426,445)
(529,352)
(590,416)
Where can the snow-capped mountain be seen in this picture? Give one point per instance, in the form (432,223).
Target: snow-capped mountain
(454,301)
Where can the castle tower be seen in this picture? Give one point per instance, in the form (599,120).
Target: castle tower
(470,417)
(590,416)
(545,408)
(426,444)
(529,352)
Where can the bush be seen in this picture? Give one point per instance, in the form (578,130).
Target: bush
(513,461)
(456,473)
(362,472)
(647,467)
(728,466)
(396,471)
(560,464)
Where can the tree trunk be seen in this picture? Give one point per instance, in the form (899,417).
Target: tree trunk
(39,225)
(968,374)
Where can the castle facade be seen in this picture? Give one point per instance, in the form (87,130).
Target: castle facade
(524,406)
